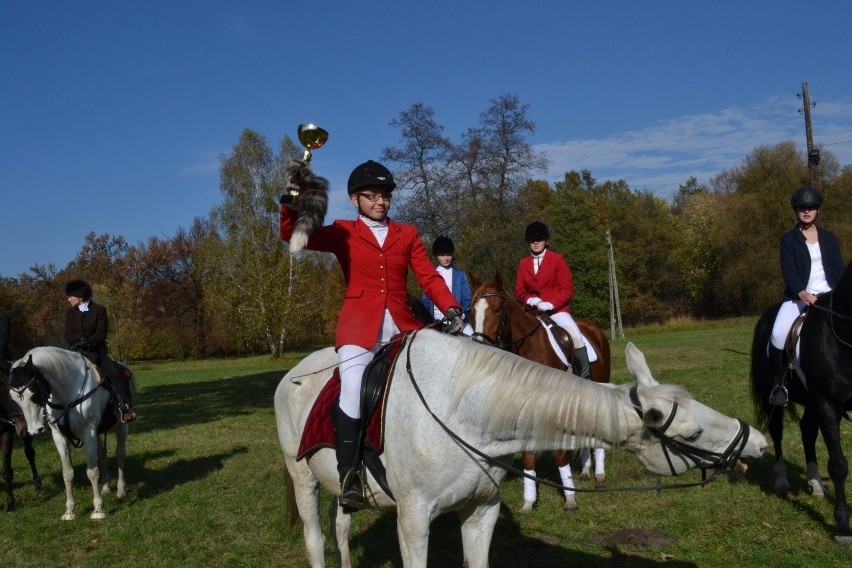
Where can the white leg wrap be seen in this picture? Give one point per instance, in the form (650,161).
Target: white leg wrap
(567,479)
(530,492)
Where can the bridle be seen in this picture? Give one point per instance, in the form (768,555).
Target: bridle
(497,340)
(722,461)
(686,452)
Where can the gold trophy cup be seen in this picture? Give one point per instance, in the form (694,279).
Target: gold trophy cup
(312,137)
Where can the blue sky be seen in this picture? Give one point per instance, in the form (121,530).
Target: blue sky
(114,114)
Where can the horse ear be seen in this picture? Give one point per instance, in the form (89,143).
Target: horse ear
(474,282)
(29,362)
(498,280)
(637,366)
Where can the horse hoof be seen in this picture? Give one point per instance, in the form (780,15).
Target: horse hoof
(843,539)
(68,517)
(781,489)
(816,487)
(528,506)
(98,516)
(585,475)
(599,481)
(37,483)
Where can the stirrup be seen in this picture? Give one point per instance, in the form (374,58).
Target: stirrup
(779,395)
(352,490)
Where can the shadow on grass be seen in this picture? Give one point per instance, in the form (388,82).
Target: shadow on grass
(167,406)
(509,547)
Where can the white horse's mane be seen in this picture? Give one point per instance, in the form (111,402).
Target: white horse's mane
(534,400)
(53,361)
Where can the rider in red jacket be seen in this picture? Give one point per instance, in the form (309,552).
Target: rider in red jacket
(375,255)
(545,283)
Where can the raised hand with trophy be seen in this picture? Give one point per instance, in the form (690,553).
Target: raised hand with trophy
(306,192)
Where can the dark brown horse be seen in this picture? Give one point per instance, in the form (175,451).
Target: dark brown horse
(500,320)
(12,423)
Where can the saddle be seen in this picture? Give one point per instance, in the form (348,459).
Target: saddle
(319,428)
(561,336)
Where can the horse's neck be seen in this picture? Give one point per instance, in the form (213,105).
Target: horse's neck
(530,341)
(69,378)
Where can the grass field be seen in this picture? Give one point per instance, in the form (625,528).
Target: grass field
(206,487)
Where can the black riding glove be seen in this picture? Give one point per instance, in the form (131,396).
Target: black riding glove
(82,344)
(452,322)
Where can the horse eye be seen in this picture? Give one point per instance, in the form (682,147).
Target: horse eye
(695,436)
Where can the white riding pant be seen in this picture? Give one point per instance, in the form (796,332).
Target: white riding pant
(788,313)
(352,360)
(564,320)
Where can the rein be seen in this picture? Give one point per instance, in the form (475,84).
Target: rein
(831,315)
(684,451)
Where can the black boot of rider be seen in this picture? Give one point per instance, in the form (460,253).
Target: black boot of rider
(347,434)
(581,360)
(779,395)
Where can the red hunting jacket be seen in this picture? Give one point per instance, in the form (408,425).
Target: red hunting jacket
(375,276)
(554,282)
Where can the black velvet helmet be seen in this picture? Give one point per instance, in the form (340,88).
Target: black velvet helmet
(806,196)
(443,245)
(536,231)
(370,174)
(79,289)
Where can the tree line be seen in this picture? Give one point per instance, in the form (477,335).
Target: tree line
(228,285)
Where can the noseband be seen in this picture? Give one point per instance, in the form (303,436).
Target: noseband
(699,457)
(497,340)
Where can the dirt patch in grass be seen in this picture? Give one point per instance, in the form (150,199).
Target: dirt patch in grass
(634,537)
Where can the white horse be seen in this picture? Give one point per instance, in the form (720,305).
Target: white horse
(62,387)
(499,404)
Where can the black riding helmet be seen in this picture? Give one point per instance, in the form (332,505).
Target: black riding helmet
(443,245)
(806,196)
(536,231)
(79,289)
(370,174)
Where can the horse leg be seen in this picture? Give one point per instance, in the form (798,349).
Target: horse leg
(103,472)
(67,472)
(412,529)
(341,522)
(838,468)
(530,491)
(92,445)
(477,526)
(563,462)
(809,427)
(6,444)
(600,472)
(121,431)
(306,494)
(776,431)
(29,451)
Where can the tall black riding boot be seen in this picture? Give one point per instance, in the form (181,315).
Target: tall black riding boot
(779,395)
(581,358)
(347,434)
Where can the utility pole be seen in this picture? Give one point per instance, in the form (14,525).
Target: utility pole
(813,153)
(614,304)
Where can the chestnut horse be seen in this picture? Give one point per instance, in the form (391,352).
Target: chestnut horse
(500,320)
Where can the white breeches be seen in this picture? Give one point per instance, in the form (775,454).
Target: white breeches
(352,360)
(788,313)
(564,320)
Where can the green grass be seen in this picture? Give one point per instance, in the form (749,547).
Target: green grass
(206,488)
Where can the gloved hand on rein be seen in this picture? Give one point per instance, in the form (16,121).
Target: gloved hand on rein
(533,301)
(452,322)
(545,306)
